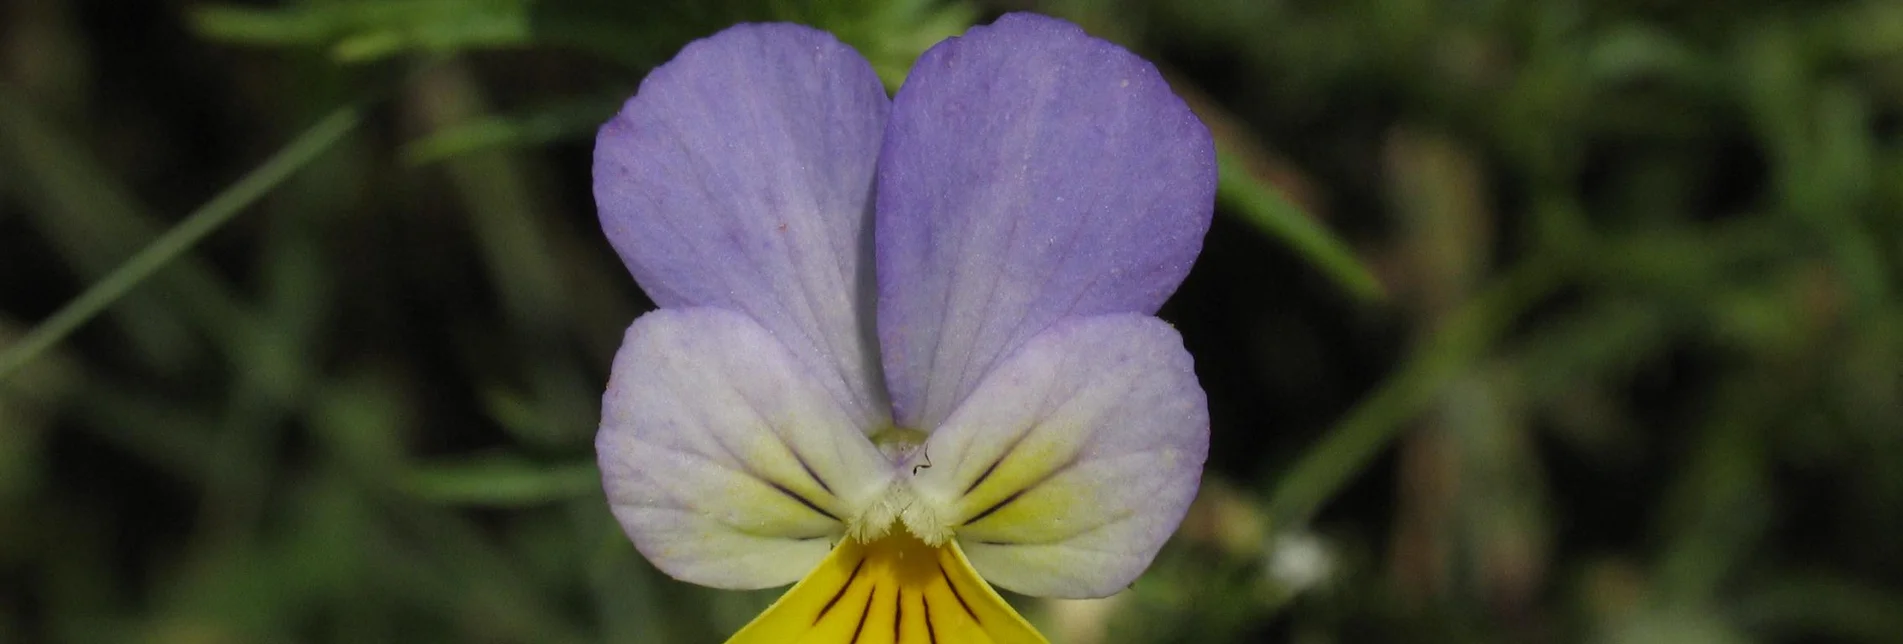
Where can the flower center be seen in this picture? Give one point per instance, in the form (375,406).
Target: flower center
(901,503)
(921,518)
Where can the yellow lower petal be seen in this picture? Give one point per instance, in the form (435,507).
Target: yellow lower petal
(895,590)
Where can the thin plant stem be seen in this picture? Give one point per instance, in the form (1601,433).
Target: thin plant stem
(175,242)
(1265,208)
(1372,425)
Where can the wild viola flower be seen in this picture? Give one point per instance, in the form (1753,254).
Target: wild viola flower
(905,347)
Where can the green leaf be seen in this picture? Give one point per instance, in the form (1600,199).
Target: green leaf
(502,481)
(365,31)
(554,122)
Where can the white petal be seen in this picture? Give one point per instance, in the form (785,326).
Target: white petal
(726,461)
(1071,463)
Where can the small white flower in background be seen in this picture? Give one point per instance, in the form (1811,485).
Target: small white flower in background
(1298,562)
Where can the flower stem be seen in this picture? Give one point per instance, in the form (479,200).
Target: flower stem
(175,242)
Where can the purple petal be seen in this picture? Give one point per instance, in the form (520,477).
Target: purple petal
(740,177)
(1073,460)
(726,464)
(1030,172)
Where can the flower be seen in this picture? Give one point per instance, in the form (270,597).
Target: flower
(905,347)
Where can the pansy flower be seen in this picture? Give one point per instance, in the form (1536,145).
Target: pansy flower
(905,348)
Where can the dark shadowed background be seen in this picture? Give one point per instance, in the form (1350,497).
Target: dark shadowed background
(1561,321)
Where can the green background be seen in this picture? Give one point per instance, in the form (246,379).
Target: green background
(1560,321)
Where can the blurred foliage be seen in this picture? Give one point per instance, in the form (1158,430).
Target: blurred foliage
(1521,321)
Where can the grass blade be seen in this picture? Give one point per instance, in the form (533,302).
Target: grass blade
(175,242)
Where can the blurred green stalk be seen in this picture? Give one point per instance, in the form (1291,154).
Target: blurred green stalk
(201,222)
(1352,443)
(1267,209)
